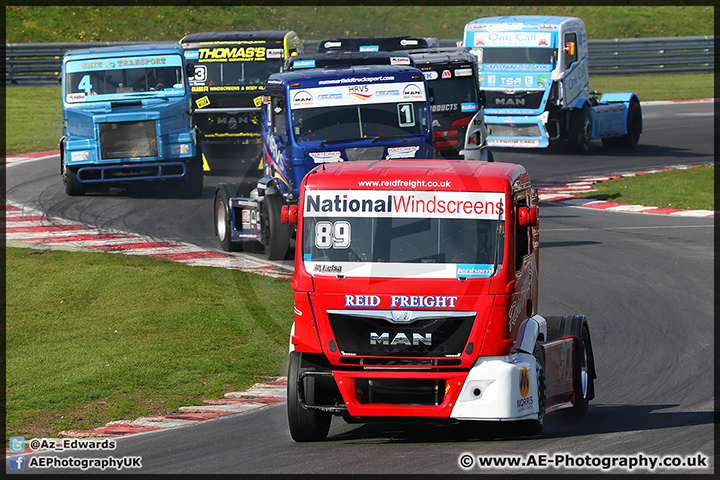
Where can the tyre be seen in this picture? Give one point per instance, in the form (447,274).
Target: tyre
(583,368)
(276,236)
(223,221)
(73,187)
(581,130)
(192,182)
(305,425)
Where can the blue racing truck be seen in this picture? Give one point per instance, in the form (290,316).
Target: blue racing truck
(127,117)
(534,72)
(315,116)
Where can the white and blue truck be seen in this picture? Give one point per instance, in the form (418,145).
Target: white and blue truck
(314,116)
(534,72)
(127,117)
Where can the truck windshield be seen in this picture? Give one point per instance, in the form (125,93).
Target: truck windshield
(516,55)
(237,73)
(391,244)
(114,78)
(454,90)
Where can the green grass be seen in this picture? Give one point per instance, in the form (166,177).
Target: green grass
(34,24)
(692,188)
(107,336)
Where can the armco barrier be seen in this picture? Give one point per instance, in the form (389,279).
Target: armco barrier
(38,64)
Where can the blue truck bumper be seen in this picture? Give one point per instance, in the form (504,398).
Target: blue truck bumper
(131,171)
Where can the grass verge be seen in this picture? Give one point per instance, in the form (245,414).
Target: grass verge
(93,336)
(692,189)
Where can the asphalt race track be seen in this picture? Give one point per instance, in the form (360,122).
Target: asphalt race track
(644,281)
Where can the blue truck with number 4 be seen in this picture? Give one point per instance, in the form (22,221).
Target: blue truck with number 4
(534,72)
(127,117)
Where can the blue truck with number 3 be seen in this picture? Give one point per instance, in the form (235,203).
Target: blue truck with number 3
(127,117)
(534,72)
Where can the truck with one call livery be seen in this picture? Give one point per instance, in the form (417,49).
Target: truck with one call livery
(416,298)
(534,72)
(230,73)
(320,116)
(127,118)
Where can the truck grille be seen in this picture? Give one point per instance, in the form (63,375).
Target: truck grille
(509,130)
(428,334)
(128,140)
(364,153)
(520,99)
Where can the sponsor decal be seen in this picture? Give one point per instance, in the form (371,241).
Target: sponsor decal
(369,48)
(430,75)
(401,152)
(446,74)
(275,53)
(302,97)
(399,61)
(330,97)
(191,54)
(412,90)
(469,107)
(304,64)
(362,300)
(450,107)
(468,270)
(326,157)
(410,204)
(328,269)
(422,301)
(506,142)
(463,72)
(401,339)
(332,44)
(524,381)
(511,39)
(202,102)
(229,54)
(385,93)
(76,97)
(407,42)
(79,156)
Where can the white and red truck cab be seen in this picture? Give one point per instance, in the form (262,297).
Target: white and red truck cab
(416,287)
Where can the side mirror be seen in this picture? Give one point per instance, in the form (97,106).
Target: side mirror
(528,216)
(190,70)
(289,214)
(570,48)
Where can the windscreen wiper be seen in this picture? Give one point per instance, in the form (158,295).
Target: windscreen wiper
(340,140)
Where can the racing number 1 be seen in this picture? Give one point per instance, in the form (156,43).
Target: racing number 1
(332,235)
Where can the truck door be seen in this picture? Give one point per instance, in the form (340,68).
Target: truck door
(574,60)
(526,283)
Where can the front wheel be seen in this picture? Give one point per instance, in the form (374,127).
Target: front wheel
(583,371)
(581,130)
(223,221)
(305,425)
(276,235)
(192,182)
(73,187)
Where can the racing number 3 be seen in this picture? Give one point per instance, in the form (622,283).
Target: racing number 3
(332,235)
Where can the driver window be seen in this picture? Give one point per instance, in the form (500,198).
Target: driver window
(571,53)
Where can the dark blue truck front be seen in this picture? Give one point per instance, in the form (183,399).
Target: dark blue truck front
(127,117)
(323,115)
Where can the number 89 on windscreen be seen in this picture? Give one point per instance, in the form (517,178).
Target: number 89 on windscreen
(332,235)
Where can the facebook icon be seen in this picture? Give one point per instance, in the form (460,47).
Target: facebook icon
(17,462)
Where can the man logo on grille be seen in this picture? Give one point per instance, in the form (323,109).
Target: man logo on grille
(524,381)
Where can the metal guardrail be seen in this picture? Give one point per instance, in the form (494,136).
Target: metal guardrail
(38,64)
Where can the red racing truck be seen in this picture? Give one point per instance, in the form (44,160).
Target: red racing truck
(416,287)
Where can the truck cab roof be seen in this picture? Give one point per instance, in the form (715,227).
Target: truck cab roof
(355,44)
(101,52)
(322,74)
(209,37)
(518,22)
(472,175)
(346,59)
